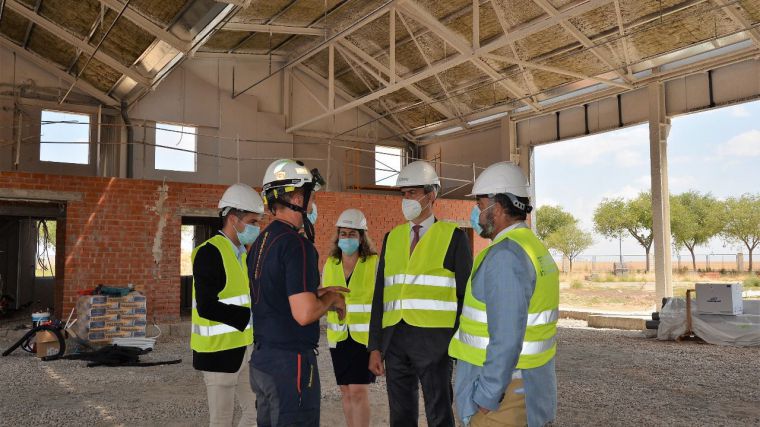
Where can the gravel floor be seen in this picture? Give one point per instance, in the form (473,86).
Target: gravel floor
(606,377)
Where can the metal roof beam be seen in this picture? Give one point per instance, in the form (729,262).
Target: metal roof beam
(149,26)
(460,44)
(349,60)
(78,43)
(53,69)
(585,41)
(571,10)
(346,96)
(362,57)
(739,19)
(556,70)
(273,29)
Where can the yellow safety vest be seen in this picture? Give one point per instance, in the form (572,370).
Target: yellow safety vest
(208,336)
(418,288)
(358,301)
(539,344)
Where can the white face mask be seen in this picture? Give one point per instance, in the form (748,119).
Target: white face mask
(411,208)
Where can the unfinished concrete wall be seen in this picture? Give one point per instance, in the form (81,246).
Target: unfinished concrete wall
(482,148)
(199,94)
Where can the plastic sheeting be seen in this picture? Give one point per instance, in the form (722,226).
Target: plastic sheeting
(739,331)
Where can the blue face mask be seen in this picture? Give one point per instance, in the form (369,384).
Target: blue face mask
(348,246)
(248,235)
(313,215)
(475,220)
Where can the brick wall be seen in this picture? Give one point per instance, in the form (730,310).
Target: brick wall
(128,231)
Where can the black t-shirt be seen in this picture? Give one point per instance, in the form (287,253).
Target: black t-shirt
(282,263)
(210,279)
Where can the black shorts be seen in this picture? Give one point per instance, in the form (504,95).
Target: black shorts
(350,361)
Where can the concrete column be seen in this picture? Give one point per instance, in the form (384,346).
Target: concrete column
(508,143)
(659,127)
(526,163)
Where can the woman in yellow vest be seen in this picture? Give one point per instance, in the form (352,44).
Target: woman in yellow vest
(352,263)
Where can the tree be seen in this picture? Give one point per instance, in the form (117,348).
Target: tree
(742,222)
(694,219)
(615,217)
(570,241)
(551,218)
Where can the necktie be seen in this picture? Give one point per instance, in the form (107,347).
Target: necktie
(416,238)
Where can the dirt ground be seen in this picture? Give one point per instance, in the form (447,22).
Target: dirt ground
(605,377)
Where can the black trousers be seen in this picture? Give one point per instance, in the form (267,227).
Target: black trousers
(419,356)
(287,387)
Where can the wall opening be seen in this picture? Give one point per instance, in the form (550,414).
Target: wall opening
(193,232)
(387,164)
(176,147)
(64,137)
(28,248)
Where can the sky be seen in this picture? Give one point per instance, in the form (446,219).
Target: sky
(716,151)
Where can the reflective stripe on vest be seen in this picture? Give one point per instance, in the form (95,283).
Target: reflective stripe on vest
(418,288)
(421,279)
(539,344)
(534,319)
(419,304)
(208,336)
(244,300)
(210,331)
(528,348)
(358,301)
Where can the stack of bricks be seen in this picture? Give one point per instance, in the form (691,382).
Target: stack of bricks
(101,318)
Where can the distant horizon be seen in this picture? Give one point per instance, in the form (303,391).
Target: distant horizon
(714,152)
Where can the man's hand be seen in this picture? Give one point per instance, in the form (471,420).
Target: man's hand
(326,289)
(340,306)
(376,364)
(483,410)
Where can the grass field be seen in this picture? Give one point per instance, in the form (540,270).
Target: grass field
(634,293)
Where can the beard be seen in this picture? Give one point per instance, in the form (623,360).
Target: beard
(486,229)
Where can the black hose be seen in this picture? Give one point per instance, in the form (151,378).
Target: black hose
(130,139)
(57,331)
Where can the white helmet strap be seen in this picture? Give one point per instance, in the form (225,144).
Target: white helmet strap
(523,207)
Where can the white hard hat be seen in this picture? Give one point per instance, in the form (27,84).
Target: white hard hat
(417,174)
(242,197)
(352,218)
(286,173)
(501,178)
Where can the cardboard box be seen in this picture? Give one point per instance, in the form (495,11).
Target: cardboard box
(92,300)
(132,316)
(719,298)
(139,304)
(133,322)
(46,343)
(134,297)
(131,311)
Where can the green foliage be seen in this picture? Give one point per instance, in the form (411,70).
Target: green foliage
(742,222)
(694,219)
(569,240)
(614,218)
(751,282)
(551,218)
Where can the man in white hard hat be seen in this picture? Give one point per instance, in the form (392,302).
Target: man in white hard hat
(221,334)
(506,341)
(288,301)
(421,279)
